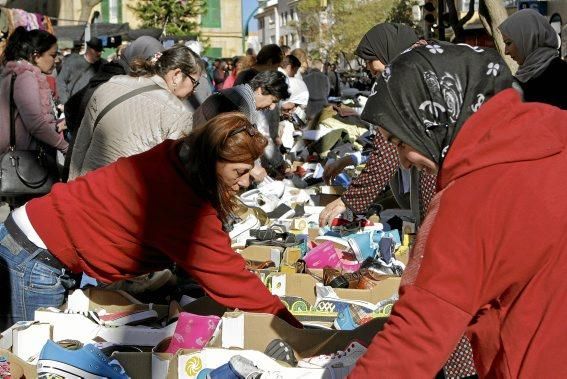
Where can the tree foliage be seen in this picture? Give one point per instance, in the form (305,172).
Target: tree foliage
(338,28)
(175,17)
(402,12)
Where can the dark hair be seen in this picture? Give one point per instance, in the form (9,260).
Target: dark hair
(179,56)
(269,54)
(23,44)
(290,60)
(217,141)
(272,83)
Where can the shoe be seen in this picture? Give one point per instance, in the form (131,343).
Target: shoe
(362,246)
(259,265)
(333,278)
(351,315)
(144,283)
(87,363)
(281,351)
(128,317)
(321,256)
(192,332)
(255,198)
(341,363)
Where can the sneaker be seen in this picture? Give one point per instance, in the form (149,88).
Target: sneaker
(134,317)
(341,363)
(192,331)
(86,363)
(321,256)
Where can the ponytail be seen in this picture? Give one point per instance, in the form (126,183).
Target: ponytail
(178,56)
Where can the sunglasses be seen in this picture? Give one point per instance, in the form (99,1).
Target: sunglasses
(251,129)
(194,82)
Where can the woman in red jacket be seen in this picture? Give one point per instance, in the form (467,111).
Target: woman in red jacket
(136,216)
(478,267)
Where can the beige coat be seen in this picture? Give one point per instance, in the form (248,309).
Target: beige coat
(133,126)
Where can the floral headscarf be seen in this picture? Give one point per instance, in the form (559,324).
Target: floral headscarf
(427,93)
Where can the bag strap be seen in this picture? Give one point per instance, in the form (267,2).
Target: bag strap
(12,115)
(122,98)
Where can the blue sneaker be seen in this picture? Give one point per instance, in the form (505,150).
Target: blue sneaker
(85,363)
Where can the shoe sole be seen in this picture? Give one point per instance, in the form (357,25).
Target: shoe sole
(49,367)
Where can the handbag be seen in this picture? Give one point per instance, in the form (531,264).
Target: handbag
(24,172)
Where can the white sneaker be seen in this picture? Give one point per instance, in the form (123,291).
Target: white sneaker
(341,363)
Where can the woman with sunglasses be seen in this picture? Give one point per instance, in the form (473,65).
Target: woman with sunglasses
(114,126)
(135,216)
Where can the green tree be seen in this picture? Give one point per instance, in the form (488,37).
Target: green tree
(336,28)
(174,17)
(401,12)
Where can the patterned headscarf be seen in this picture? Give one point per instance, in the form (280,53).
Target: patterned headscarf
(385,42)
(427,94)
(535,39)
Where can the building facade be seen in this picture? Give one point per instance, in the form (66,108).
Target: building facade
(221,24)
(277,23)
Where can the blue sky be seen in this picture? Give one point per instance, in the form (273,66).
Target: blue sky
(248,6)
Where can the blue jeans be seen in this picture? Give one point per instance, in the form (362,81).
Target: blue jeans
(25,283)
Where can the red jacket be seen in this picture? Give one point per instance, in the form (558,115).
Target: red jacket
(491,257)
(138,214)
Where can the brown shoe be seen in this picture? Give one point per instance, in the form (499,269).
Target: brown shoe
(352,278)
(259,265)
(333,278)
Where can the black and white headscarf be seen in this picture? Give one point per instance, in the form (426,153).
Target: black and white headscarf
(427,93)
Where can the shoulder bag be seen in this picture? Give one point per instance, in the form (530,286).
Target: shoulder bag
(24,172)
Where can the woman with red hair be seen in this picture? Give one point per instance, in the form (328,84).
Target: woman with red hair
(135,216)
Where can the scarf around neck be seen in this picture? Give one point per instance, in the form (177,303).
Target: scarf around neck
(427,94)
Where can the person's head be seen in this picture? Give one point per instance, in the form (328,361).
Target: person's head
(247,62)
(221,154)
(527,32)
(269,55)
(94,50)
(178,66)
(384,42)
(302,56)
(250,51)
(236,64)
(317,64)
(290,65)
(269,88)
(144,47)
(285,49)
(35,46)
(428,93)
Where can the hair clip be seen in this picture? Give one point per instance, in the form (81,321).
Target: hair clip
(156,57)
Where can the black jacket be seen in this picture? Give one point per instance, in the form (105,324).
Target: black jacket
(550,87)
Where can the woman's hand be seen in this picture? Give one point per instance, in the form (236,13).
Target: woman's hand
(61,125)
(258,173)
(331,211)
(335,168)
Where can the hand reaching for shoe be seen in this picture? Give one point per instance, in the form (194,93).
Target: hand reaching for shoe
(331,211)
(335,168)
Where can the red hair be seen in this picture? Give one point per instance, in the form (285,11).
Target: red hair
(217,141)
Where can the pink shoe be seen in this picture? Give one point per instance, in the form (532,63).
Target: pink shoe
(192,332)
(322,255)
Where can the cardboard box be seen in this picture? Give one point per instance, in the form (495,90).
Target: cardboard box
(29,339)
(303,285)
(190,365)
(255,331)
(263,253)
(18,367)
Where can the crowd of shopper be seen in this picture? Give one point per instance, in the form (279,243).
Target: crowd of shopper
(155,169)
